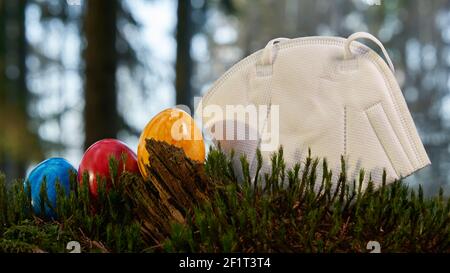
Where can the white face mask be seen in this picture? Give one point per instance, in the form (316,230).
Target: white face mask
(333,95)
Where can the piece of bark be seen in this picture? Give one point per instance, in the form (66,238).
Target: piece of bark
(175,185)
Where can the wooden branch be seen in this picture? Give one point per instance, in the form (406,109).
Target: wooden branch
(176,184)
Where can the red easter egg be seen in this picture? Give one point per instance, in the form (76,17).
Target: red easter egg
(95,162)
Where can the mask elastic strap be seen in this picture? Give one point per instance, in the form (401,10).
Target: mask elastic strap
(365,35)
(260,93)
(269,52)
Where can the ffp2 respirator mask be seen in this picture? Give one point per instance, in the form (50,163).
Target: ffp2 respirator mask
(333,95)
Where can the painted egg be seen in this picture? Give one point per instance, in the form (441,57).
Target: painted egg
(175,127)
(52,170)
(95,162)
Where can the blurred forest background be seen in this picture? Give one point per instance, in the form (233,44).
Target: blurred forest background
(75,71)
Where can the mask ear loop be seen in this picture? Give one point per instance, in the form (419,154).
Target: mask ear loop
(365,35)
(269,52)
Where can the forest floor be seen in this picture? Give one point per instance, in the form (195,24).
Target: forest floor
(185,206)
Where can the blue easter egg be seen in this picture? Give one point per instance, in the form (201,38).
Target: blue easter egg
(53,170)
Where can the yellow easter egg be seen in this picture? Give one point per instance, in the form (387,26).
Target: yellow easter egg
(175,127)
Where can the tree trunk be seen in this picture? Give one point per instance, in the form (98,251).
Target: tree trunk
(100,112)
(183,66)
(19,145)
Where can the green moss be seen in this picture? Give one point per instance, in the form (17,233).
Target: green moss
(104,224)
(295,218)
(283,214)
